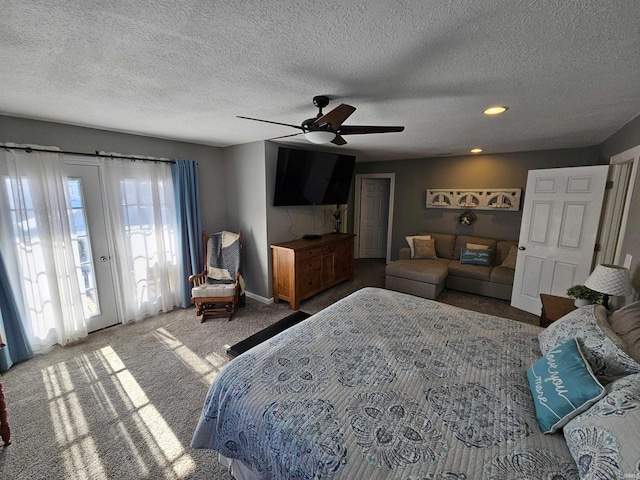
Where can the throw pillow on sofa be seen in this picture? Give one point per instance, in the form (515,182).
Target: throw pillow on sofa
(477,246)
(410,240)
(425,248)
(512,256)
(475,257)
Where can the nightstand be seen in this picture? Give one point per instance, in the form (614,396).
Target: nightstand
(554,308)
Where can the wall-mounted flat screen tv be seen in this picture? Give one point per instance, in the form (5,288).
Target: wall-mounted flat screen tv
(305,177)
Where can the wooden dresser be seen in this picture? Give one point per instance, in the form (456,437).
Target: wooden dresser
(302,268)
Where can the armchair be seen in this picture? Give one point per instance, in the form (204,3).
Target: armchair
(216,291)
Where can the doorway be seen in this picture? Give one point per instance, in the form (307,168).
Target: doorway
(374,215)
(622,176)
(89,236)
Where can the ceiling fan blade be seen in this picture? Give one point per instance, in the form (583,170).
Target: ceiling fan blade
(339,140)
(362,129)
(269,121)
(285,136)
(336,116)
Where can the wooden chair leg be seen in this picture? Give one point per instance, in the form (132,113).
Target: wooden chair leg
(5,432)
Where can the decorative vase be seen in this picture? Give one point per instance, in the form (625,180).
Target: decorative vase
(337,225)
(582,302)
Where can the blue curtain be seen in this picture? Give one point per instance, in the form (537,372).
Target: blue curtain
(17,346)
(187,193)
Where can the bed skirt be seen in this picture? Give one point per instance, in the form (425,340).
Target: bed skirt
(238,469)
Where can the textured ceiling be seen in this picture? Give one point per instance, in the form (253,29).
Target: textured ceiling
(568,69)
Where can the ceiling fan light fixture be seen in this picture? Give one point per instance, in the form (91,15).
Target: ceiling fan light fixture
(328,127)
(320,136)
(496,110)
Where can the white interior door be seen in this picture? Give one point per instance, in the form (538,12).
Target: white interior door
(374,217)
(88,229)
(560,221)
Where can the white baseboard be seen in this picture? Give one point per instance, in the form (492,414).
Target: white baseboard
(258,298)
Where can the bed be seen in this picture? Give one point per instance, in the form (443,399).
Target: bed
(387,385)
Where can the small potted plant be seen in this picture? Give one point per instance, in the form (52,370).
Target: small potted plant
(584,295)
(337,218)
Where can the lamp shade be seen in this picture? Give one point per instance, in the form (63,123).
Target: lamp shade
(320,136)
(610,280)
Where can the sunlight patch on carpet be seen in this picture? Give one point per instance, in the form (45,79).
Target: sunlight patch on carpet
(79,454)
(207,369)
(161,441)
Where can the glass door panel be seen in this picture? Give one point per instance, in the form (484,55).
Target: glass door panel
(82,248)
(88,230)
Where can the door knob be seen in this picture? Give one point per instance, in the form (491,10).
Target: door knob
(522,248)
(103,258)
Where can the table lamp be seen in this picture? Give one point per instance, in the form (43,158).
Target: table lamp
(609,280)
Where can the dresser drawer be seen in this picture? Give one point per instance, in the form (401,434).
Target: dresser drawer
(329,248)
(335,247)
(309,253)
(309,265)
(342,248)
(309,283)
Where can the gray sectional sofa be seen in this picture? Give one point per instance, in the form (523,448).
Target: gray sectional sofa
(426,278)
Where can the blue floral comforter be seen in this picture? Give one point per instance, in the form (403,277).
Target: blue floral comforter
(384,385)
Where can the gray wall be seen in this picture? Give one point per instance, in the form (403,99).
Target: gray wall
(624,139)
(507,170)
(246,210)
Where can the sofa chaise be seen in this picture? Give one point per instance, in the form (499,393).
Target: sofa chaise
(426,277)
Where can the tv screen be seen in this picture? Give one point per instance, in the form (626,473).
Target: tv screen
(305,177)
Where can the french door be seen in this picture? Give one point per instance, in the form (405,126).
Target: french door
(89,236)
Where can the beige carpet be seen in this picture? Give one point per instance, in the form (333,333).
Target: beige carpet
(124,402)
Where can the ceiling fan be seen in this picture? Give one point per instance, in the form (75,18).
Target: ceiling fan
(325,128)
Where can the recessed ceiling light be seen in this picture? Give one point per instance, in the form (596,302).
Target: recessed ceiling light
(495,110)
(476,150)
